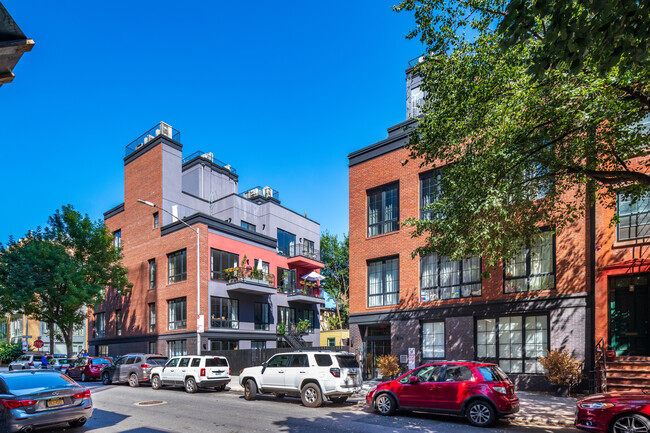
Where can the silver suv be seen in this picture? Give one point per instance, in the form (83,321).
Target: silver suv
(26,362)
(192,373)
(310,375)
(134,368)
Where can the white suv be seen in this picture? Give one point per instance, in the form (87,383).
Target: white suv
(192,373)
(311,375)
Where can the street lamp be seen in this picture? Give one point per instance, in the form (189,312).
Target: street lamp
(198,271)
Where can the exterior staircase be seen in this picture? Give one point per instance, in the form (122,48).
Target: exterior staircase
(628,373)
(294,339)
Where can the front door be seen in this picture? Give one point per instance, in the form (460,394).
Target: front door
(629,315)
(377,344)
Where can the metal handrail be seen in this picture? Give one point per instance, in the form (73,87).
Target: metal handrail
(602,350)
(208,156)
(416,61)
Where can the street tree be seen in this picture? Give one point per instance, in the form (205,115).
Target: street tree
(52,275)
(336,257)
(519,151)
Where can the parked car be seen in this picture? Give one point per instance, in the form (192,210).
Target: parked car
(53,363)
(26,362)
(480,392)
(192,373)
(87,368)
(133,368)
(66,363)
(615,412)
(310,375)
(37,398)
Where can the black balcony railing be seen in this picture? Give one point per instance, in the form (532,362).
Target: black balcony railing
(160,129)
(301,250)
(305,289)
(208,156)
(249,274)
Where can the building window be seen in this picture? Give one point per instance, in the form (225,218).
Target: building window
(152,347)
(156,220)
(416,101)
(331,341)
(383,209)
(118,322)
(383,282)
(225,312)
(177,266)
(441,278)
(633,218)
(224,344)
(433,340)
(177,314)
(100,325)
(287,316)
(248,226)
(16,329)
(220,261)
(532,268)
(152,317)
(152,273)
(307,248)
(265,267)
(429,191)
(286,280)
(286,243)
(258,344)
(177,347)
(262,316)
(309,315)
(117,238)
(514,342)
(102,350)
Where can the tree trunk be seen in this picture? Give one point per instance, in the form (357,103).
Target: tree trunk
(338,313)
(50,328)
(67,338)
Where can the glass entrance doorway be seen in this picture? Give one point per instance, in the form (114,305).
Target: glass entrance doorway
(377,343)
(629,313)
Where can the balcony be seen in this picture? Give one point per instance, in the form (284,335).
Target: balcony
(303,255)
(306,294)
(250,280)
(208,156)
(263,193)
(160,129)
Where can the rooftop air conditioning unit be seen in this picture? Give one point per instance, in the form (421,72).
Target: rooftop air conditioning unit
(166,129)
(268,192)
(227,167)
(209,156)
(255,192)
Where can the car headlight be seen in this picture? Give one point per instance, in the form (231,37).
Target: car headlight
(595,405)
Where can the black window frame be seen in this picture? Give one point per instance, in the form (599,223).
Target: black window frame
(156,220)
(153,271)
(528,275)
(289,250)
(632,216)
(217,257)
(442,289)
(261,322)
(118,321)
(311,316)
(220,342)
(175,275)
(152,316)
(292,285)
(117,238)
(100,318)
(384,294)
(381,223)
(292,313)
(228,323)
(179,323)
(433,196)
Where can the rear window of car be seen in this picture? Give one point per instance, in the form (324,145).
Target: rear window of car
(158,360)
(100,361)
(323,360)
(347,361)
(216,362)
(28,383)
(492,374)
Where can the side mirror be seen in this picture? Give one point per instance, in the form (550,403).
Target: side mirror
(413,380)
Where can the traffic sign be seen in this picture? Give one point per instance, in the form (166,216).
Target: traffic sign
(26,336)
(38,344)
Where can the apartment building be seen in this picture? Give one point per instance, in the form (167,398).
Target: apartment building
(456,310)
(252,254)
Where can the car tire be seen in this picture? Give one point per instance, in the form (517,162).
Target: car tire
(311,395)
(385,404)
(250,389)
(156,383)
(280,395)
(339,399)
(83,377)
(190,385)
(106,379)
(630,421)
(480,413)
(133,380)
(76,423)
(10,368)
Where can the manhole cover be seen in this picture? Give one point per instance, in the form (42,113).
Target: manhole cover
(150,403)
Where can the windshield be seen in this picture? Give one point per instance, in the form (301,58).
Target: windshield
(347,361)
(21,384)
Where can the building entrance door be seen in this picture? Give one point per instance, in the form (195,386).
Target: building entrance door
(629,315)
(377,344)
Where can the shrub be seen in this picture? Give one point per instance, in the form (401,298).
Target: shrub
(10,352)
(388,365)
(561,368)
(303,326)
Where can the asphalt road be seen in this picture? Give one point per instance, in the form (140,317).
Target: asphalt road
(116,410)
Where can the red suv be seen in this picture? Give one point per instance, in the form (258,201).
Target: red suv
(480,392)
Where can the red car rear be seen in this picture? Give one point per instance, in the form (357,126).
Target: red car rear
(615,412)
(480,392)
(87,368)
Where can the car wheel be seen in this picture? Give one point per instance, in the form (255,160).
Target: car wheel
(311,395)
(133,380)
(10,368)
(339,399)
(280,395)
(106,379)
(83,377)
(77,423)
(190,385)
(480,414)
(155,382)
(250,389)
(631,422)
(385,404)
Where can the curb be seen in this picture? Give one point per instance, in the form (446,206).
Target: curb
(537,420)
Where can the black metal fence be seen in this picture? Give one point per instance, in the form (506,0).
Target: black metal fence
(243,358)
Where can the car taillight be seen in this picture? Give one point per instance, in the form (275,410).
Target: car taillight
(31,364)
(15,404)
(240,371)
(336,372)
(228,371)
(85,394)
(202,372)
(499,389)
(145,365)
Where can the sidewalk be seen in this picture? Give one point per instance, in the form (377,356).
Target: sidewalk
(535,407)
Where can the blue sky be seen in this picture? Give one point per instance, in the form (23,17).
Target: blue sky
(282,91)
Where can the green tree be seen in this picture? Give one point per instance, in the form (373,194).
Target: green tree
(519,151)
(52,275)
(335,255)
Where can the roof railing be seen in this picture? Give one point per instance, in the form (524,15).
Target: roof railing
(209,156)
(160,129)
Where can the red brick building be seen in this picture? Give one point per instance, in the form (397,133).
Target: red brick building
(252,252)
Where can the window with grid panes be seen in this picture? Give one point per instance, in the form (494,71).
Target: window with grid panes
(177,269)
(262,316)
(634,218)
(383,209)
(177,314)
(433,340)
(220,261)
(429,190)
(224,312)
(383,282)
(441,278)
(533,267)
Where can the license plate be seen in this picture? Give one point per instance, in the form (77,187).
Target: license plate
(55,402)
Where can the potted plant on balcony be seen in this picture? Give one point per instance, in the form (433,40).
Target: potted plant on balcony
(281,329)
(561,370)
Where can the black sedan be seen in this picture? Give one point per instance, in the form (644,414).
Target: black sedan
(35,398)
